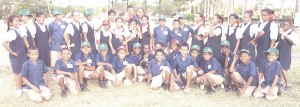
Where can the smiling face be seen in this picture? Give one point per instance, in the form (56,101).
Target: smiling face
(112,17)
(232,20)
(33,55)
(76,16)
(272,57)
(176,25)
(146,49)
(140,12)
(174,46)
(145,21)
(244,57)
(246,18)
(119,23)
(41,19)
(130,11)
(286,25)
(66,54)
(215,20)
(86,50)
(122,54)
(126,16)
(194,53)
(89,17)
(136,50)
(265,16)
(15,23)
(132,25)
(159,56)
(24,18)
(106,27)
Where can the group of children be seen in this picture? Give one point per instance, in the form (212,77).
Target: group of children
(126,50)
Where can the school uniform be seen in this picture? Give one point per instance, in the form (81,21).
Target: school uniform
(24,30)
(104,38)
(69,67)
(119,65)
(158,72)
(214,42)
(135,39)
(56,32)
(16,44)
(41,38)
(149,58)
(187,30)
(34,73)
(223,59)
(161,35)
(171,57)
(270,71)
(107,59)
(263,44)
(231,36)
(116,41)
(79,57)
(146,33)
(73,29)
(88,27)
(199,31)
(138,19)
(180,36)
(210,65)
(246,33)
(285,48)
(181,65)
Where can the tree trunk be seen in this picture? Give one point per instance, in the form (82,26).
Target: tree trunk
(297,6)
(281,9)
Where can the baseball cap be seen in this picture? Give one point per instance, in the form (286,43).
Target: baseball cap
(207,50)
(103,46)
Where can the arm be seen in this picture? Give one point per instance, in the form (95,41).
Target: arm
(111,46)
(272,44)
(36,89)
(237,46)
(149,79)
(45,78)
(85,30)
(226,64)
(6,46)
(26,41)
(90,68)
(232,67)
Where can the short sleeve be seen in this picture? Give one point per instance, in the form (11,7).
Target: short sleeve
(45,69)
(93,61)
(113,62)
(214,65)
(253,70)
(278,68)
(217,31)
(175,63)
(274,31)
(10,36)
(57,65)
(23,30)
(84,28)
(32,30)
(97,58)
(25,69)
(150,67)
(294,38)
(264,65)
(253,30)
(239,33)
(70,29)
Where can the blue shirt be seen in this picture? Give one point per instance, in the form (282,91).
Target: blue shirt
(230,59)
(34,72)
(69,67)
(136,58)
(162,35)
(187,30)
(171,57)
(213,64)
(270,71)
(180,65)
(156,69)
(108,59)
(56,32)
(247,70)
(180,36)
(119,65)
(80,57)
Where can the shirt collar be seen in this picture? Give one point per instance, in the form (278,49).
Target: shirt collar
(216,26)
(37,62)
(286,32)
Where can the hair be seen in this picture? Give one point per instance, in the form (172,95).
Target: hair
(133,20)
(129,6)
(159,43)
(10,19)
(141,9)
(290,23)
(148,28)
(250,12)
(176,20)
(111,11)
(159,50)
(184,45)
(118,19)
(220,18)
(65,49)
(269,11)
(37,14)
(31,48)
(202,16)
(235,16)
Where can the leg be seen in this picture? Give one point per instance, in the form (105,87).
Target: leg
(228,77)
(18,80)
(128,69)
(286,80)
(210,81)
(189,73)
(61,82)
(36,97)
(80,74)
(237,79)
(100,70)
(274,96)
(249,91)
(46,94)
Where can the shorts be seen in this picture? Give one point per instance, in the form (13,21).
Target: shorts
(34,96)
(218,79)
(54,55)
(87,73)
(71,84)
(158,80)
(264,92)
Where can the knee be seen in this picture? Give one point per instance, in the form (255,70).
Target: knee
(200,72)
(38,100)
(47,98)
(81,68)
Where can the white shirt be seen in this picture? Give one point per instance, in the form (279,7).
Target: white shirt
(23,29)
(70,29)
(273,29)
(202,30)
(11,35)
(33,29)
(218,31)
(85,26)
(292,36)
(241,30)
(105,34)
(231,29)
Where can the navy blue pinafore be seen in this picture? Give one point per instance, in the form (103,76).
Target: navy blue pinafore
(195,41)
(231,38)
(244,43)
(76,40)
(285,51)
(105,39)
(17,46)
(91,38)
(41,41)
(214,43)
(263,44)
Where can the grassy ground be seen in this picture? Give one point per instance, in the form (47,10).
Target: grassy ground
(139,94)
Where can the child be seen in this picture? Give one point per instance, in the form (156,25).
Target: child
(104,34)
(212,74)
(175,51)
(41,37)
(226,59)
(287,39)
(88,30)
(184,67)
(245,33)
(159,71)
(215,34)
(195,53)
(14,44)
(136,57)
(66,73)
(186,29)
(147,56)
(135,36)
(266,37)
(34,75)
(25,28)
(146,33)
(231,32)
(140,13)
(178,33)
(123,67)
(103,60)
(56,31)
(200,32)
(86,64)
(271,70)
(119,34)
(244,73)
(72,34)
(161,33)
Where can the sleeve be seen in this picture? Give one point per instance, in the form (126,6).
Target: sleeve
(45,69)
(32,30)
(294,38)
(70,29)
(253,70)
(274,31)
(93,60)
(253,30)
(10,36)
(97,58)
(98,35)
(50,29)
(84,28)
(23,30)
(194,63)
(217,31)
(264,65)
(74,67)
(175,63)
(214,65)
(150,67)
(278,68)
(57,65)
(239,33)
(24,71)
(113,62)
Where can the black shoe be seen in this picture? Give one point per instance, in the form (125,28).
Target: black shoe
(63,94)
(227,89)
(166,86)
(83,87)
(85,81)
(210,91)
(102,84)
(235,89)
(279,92)
(287,88)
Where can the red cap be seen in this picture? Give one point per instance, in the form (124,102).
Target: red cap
(121,47)
(106,22)
(175,41)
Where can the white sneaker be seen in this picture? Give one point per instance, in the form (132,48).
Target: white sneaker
(222,86)
(127,82)
(19,93)
(202,87)
(140,79)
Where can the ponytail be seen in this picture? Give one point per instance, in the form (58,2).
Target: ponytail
(221,18)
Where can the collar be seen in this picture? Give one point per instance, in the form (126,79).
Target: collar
(37,62)
(216,26)
(13,28)
(286,32)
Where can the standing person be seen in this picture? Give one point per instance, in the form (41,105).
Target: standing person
(104,34)
(41,38)
(14,44)
(200,32)
(72,34)
(56,31)
(245,33)
(161,33)
(135,35)
(287,39)
(146,31)
(231,32)
(186,29)
(266,37)
(25,28)
(178,33)
(140,13)
(131,11)
(88,30)
(215,35)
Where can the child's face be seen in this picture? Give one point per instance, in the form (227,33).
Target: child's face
(41,19)
(33,55)
(137,50)
(112,16)
(184,50)
(58,17)
(194,53)
(103,52)
(207,56)
(76,16)
(158,46)
(140,12)
(146,49)
(89,17)
(197,18)
(106,27)
(272,57)
(24,18)
(15,23)
(130,11)
(159,56)
(246,18)
(286,26)
(232,20)
(162,22)
(182,20)
(215,20)
(119,23)
(176,25)
(126,16)
(174,46)
(132,24)
(265,16)
(224,49)
(86,50)
(66,54)
(144,21)
(244,57)
(122,54)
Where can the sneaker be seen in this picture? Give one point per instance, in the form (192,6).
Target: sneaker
(222,86)
(187,89)
(287,88)
(19,93)
(63,94)
(210,91)
(127,82)
(202,86)
(102,84)
(166,86)
(180,84)
(83,87)
(227,89)
(85,81)
(234,89)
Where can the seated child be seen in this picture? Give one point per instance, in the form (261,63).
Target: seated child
(226,58)
(195,53)
(175,51)
(136,57)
